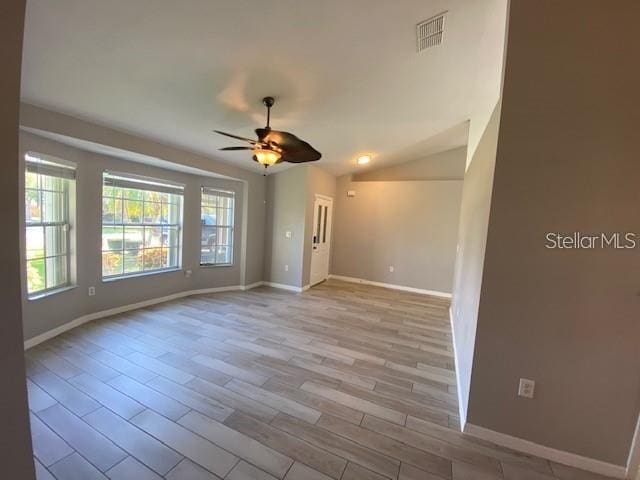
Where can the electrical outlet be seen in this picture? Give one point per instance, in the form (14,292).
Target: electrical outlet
(526,388)
(287,234)
(92,291)
(391,268)
(286,268)
(188,273)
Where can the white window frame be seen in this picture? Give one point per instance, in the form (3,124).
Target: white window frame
(218,192)
(140,183)
(43,165)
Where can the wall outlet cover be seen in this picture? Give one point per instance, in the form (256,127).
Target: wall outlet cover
(526,388)
(351,193)
(92,291)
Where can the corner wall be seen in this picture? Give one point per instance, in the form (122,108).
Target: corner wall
(469,263)
(567,161)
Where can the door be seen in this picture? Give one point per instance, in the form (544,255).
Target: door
(321,239)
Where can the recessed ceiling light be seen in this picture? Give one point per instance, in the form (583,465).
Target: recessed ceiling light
(363,160)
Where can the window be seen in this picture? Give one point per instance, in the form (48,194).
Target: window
(49,192)
(216,235)
(141,225)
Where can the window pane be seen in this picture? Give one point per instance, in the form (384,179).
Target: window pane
(33,209)
(171,236)
(225,216)
(53,206)
(155,196)
(111,210)
(208,236)
(132,261)
(225,202)
(224,236)
(31,180)
(112,238)
(152,212)
(35,275)
(208,256)
(174,213)
(222,255)
(171,257)
(153,237)
(35,242)
(132,194)
(55,240)
(55,184)
(56,271)
(208,216)
(153,258)
(132,211)
(111,263)
(133,238)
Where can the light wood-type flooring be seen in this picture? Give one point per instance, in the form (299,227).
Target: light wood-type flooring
(343,382)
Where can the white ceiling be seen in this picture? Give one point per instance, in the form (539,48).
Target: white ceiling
(345,73)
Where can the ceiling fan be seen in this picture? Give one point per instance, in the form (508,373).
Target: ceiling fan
(273,146)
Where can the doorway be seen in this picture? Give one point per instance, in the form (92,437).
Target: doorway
(322,214)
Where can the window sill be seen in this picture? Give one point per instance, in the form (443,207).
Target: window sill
(48,293)
(141,274)
(215,265)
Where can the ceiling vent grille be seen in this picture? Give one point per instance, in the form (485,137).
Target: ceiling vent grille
(430,32)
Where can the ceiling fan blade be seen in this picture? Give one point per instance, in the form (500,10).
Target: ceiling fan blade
(292,148)
(253,142)
(236,148)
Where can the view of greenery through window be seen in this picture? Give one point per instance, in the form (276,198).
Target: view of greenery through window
(216,216)
(47,227)
(140,230)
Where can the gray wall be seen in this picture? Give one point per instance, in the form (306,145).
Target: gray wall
(323,183)
(567,160)
(15,438)
(472,237)
(411,225)
(286,208)
(46,313)
(446,165)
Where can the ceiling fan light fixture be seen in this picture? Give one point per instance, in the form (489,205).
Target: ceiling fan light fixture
(266,157)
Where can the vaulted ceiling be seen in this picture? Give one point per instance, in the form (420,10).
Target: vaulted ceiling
(345,73)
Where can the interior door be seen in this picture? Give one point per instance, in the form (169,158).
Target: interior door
(322,211)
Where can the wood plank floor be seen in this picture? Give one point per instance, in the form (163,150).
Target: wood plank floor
(343,382)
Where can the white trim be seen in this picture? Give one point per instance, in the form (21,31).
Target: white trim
(461,413)
(282,286)
(633,461)
(558,456)
(43,337)
(422,291)
(252,285)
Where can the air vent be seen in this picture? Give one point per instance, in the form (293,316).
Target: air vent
(429,33)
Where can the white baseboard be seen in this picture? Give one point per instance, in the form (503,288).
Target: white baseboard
(283,286)
(461,412)
(558,456)
(43,337)
(422,291)
(252,285)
